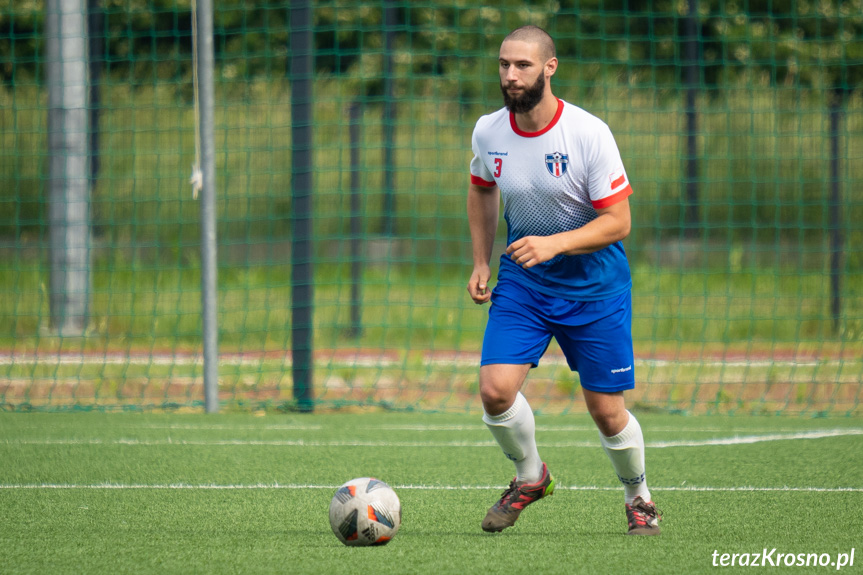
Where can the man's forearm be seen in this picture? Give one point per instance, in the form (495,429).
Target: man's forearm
(482,209)
(594,236)
(612,225)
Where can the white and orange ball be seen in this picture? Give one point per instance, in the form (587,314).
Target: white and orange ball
(365,511)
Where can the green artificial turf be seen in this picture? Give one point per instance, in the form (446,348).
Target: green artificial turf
(170,493)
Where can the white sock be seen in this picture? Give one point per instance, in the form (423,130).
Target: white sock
(514,430)
(626,452)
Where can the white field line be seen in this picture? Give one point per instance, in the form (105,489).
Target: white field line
(365,360)
(592,428)
(747,439)
(479,428)
(723,441)
(210,486)
(271,443)
(219,427)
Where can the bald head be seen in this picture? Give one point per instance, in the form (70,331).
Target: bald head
(534,35)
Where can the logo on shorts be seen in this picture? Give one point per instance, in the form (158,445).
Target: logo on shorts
(622,369)
(556,163)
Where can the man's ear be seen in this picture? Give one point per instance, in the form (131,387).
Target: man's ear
(551,67)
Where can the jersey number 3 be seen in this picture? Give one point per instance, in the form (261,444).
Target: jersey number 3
(498,165)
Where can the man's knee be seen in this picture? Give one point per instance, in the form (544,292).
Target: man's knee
(608,412)
(499,385)
(609,422)
(495,400)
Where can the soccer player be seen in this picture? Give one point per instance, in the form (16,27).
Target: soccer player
(564,274)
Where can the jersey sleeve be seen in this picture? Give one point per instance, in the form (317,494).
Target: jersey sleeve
(608,181)
(479,174)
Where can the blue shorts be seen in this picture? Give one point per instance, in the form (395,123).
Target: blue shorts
(595,336)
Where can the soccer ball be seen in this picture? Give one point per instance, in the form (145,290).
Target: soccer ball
(365,511)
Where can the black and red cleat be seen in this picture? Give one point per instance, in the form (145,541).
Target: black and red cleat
(513,501)
(643,517)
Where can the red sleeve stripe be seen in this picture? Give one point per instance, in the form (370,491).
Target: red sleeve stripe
(477,181)
(612,199)
(618,181)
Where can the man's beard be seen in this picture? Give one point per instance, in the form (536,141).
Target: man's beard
(529,98)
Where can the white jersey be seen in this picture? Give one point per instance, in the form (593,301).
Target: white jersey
(553,181)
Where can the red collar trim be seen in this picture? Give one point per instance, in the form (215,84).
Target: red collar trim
(551,124)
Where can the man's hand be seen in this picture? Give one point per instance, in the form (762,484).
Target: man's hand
(477,287)
(533,250)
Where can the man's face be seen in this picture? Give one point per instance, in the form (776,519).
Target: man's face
(522,76)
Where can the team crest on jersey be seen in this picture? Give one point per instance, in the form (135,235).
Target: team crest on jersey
(556,163)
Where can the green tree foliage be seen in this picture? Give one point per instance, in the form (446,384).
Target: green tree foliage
(445,51)
(816,43)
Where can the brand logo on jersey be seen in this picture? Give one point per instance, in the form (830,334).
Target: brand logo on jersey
(556,164)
